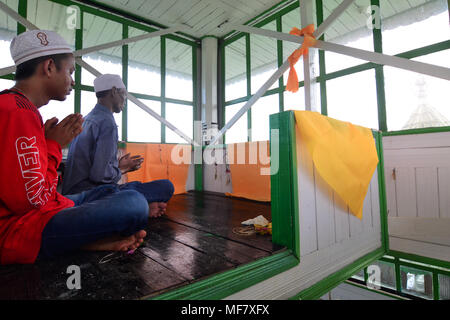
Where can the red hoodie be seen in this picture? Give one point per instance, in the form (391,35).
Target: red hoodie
(28,179)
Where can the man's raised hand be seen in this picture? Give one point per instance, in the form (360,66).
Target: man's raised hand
(65,131)
(129,164)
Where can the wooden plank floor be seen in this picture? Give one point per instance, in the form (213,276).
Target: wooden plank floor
(196,239)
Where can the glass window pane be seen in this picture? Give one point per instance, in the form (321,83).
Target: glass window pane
(416,282)
(353,98)
(142,127)
(238,132)
(8,30)
(387,273)
(58,109)
(235,70)
(444,287)
(350,29)
(49,15)
(408,25)
(294,101)
(181,116)
(144,64)
(179,84)
(88,102)
(261,110)
(359,275)
(98,30)
(263,58)
(6,84)
(414,100)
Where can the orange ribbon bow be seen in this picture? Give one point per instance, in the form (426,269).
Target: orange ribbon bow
(309,40)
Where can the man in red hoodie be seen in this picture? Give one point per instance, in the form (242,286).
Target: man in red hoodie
(35,220)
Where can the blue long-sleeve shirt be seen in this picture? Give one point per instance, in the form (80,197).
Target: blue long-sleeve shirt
(92,158)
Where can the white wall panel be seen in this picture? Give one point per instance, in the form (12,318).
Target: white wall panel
(418,193)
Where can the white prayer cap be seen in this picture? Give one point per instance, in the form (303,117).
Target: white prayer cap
(37,43)
(107,82)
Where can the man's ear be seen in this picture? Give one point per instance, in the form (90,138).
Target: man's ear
(114,91)
(48,67)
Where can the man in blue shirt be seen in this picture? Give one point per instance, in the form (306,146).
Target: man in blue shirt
(92,158)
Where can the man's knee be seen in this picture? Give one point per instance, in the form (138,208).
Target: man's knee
(136,206)
(169,187)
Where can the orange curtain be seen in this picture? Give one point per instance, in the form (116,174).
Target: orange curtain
(158,164)
(246,178)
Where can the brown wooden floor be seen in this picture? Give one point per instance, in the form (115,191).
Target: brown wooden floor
(195,240)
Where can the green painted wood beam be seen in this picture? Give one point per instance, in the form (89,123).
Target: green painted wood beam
(229,282)
(22,10)
(78,72)
(125,81)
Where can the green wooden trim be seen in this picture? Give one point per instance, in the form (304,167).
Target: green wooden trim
(284,184)
(8,77)
(177,101)
(330,282)
(379,75)
(163,87)
(382,192)
(232,281)
(423,51)
(381,98)
(78,71)
(221,86)
(148,96)
(22,10)
(84,87)
(398,278)
(125,81)
(198,168)
(420,259)
(365,275)
(416,131)
(268,93)
(280,63)
(248,67)
(435,286)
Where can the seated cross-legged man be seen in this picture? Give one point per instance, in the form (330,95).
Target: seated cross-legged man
(92,159)
(35,220)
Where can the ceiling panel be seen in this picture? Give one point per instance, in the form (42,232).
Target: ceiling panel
(203,16)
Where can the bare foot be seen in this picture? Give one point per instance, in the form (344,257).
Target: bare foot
(118,243)
(156,209)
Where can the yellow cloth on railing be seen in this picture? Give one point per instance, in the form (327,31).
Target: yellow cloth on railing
(344,155)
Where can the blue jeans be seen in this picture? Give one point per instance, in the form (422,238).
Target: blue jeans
(102,212)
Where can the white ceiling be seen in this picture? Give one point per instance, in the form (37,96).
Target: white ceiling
(203,16)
